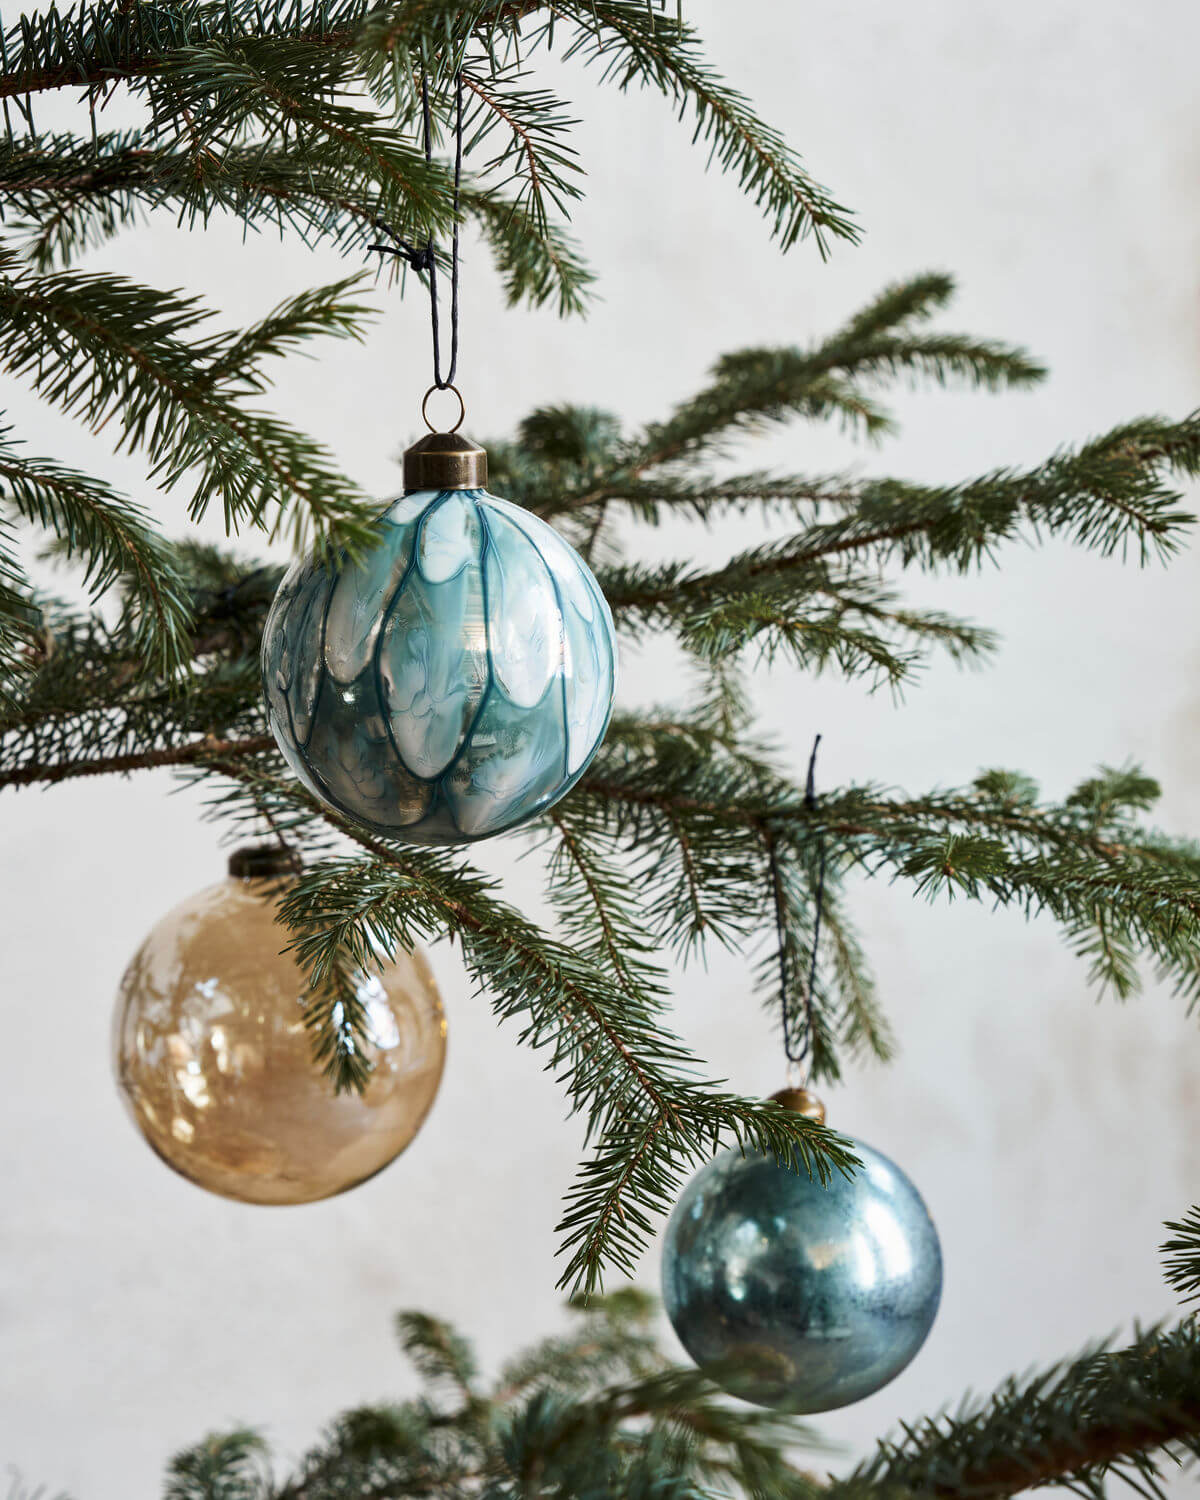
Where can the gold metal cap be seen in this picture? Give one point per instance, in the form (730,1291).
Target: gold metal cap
(445,461)
(801,1102)
(262,861)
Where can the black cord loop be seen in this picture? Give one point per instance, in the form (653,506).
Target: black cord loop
(799,1057)
(424,257)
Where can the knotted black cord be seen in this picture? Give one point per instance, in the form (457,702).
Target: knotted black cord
(424,258)
(810,802)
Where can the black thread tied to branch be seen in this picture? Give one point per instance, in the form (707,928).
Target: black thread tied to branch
(423,258)
(799,1055)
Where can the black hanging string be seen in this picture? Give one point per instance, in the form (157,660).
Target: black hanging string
(792,1055)
(424,257)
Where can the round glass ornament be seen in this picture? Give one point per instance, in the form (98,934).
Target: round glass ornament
(795,1295)
(453,682)
(215,1065)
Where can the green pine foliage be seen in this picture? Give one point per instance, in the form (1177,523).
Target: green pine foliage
(302,118)
(1181,1255)
(598,1413)
(683,803)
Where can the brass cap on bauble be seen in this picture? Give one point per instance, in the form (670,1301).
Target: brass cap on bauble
(264,862)
(801,1102)
(445,461)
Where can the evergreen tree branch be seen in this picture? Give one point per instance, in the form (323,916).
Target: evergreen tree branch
(92,704)
(1181,1255)
(755,387)
(85,47)
(1128,1415)
(607,1044)
(596,910)
(147,760)
(440,1354)
(544,165)
(116,543)
(652,499)
(636,44)
(1107,495)
(202,58)
(20,621)
(989,841)
(67,195)
(599,1412)
(286,330)
(863,1027)
(103,349)
(538,263)
(224,92)
(613,1339)
(227,1466)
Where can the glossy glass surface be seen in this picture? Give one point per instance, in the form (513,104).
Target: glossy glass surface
(451,684)
(215,1064)
(799,1296)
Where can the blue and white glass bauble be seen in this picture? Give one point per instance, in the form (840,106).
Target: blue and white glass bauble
(798,1295)
(452,682)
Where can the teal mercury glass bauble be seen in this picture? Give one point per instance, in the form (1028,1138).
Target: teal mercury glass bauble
(796,1295)
(454,681)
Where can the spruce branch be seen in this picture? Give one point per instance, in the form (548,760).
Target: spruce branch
(1130,1415)
(67,194)
(599,1411)
(192,754)
(635,44)
(225,1466)
(439,1352)
(1181,1255)
(755,387)
(686,808)
(92,704)
(20,620)
(336,1015)
(116,543)
(977,842)
(222,93)
(596,1412)
(1108,495)
(612,1340)
(212,70)
(864,1029)
(596,909)
(536,154)
(810,597)
(85,46)
(237,361)
(666,492)
(103,349)
(619,1065)
(538,263)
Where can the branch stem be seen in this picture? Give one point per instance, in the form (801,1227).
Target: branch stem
(120,765)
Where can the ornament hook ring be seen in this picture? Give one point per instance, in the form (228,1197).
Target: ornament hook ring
(462,406)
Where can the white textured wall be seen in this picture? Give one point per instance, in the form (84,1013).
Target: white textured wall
(1047,154)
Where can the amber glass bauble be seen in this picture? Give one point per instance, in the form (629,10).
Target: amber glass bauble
(216,1065)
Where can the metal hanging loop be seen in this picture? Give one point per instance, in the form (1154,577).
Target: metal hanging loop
(462,407)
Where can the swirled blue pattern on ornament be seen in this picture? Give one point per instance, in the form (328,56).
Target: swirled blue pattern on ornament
(798,1294)
(451,683)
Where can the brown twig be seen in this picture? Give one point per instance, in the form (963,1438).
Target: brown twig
(1106,1444)
(119,765)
